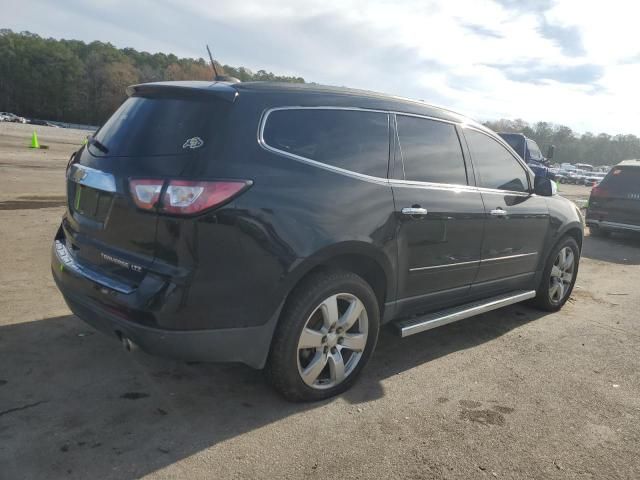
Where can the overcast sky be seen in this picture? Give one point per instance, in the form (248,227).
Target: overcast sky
(574,62)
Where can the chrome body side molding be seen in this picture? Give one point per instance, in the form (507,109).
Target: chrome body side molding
(484,260)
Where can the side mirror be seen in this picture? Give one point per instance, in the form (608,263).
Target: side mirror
(550,151)
(544,187)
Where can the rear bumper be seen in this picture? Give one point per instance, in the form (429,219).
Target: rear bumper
(82,293)
(613,225)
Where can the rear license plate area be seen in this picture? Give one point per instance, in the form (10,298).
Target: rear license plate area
(92,203)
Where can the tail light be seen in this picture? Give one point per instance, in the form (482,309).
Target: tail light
(184,197)
(146,193)
(598,191)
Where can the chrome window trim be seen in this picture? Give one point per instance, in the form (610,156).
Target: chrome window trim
(91,177)
(369,178)
(432,186)
(481,261)
(315,163)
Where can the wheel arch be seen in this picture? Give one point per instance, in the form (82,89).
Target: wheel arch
(574,230)
(369,262)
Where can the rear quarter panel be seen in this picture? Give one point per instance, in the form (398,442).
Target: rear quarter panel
(247,256)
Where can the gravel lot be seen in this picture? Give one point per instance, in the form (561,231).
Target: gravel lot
(510,394)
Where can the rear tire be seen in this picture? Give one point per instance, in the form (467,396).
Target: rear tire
(325,337)
(559,275)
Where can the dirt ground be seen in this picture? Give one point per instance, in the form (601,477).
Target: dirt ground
(510,394)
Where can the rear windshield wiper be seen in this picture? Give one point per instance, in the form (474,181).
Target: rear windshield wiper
(97,143)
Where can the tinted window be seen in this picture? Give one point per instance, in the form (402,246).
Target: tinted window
(349,139)
(514,141)
(622,180)
(496,167)
(534,151)
(162,126)
(430,151)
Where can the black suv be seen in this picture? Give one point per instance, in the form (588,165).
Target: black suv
(614,204)
(282,225)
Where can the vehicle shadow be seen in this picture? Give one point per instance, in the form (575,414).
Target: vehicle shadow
(73,403)
(620,248)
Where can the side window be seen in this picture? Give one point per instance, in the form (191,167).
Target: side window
(431,151)
(496,167)
(534,150)
(349,139)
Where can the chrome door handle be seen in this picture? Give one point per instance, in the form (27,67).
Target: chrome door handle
(498,212)
(414,211)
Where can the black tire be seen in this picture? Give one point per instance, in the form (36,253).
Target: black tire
(543,299)
(282,366)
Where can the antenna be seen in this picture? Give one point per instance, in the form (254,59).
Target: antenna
(220,78)
(213,64)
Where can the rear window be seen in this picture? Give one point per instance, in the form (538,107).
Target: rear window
(350,139)
(623,179)
(151,126)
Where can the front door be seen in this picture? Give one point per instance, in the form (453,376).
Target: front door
(517,221)
(440,216)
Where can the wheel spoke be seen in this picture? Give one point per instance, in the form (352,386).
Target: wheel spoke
(568,263)
(562,257)
(556,272)
(336,366)
(560,291)
(567,277)
(323,341)
(311,373)
(352,314)
(310,338)
(354,341)
(330,311)
(555,288)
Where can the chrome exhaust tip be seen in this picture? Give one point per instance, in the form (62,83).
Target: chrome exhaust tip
(128,344)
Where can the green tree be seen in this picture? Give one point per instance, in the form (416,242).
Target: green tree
(72,81)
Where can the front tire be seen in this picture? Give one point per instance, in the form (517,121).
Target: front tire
(325,337)
(559,275)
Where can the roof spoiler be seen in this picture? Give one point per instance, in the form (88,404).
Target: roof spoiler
(221,90)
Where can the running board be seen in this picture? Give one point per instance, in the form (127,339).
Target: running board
(450,315)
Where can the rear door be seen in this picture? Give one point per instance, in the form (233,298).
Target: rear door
(148,137)
(440,216)
(516,220)
(617,198)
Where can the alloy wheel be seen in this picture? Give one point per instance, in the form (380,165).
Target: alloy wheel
(562,274)
(332,341)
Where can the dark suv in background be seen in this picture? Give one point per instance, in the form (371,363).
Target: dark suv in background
(614,204)
(528,150)
(282,225)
